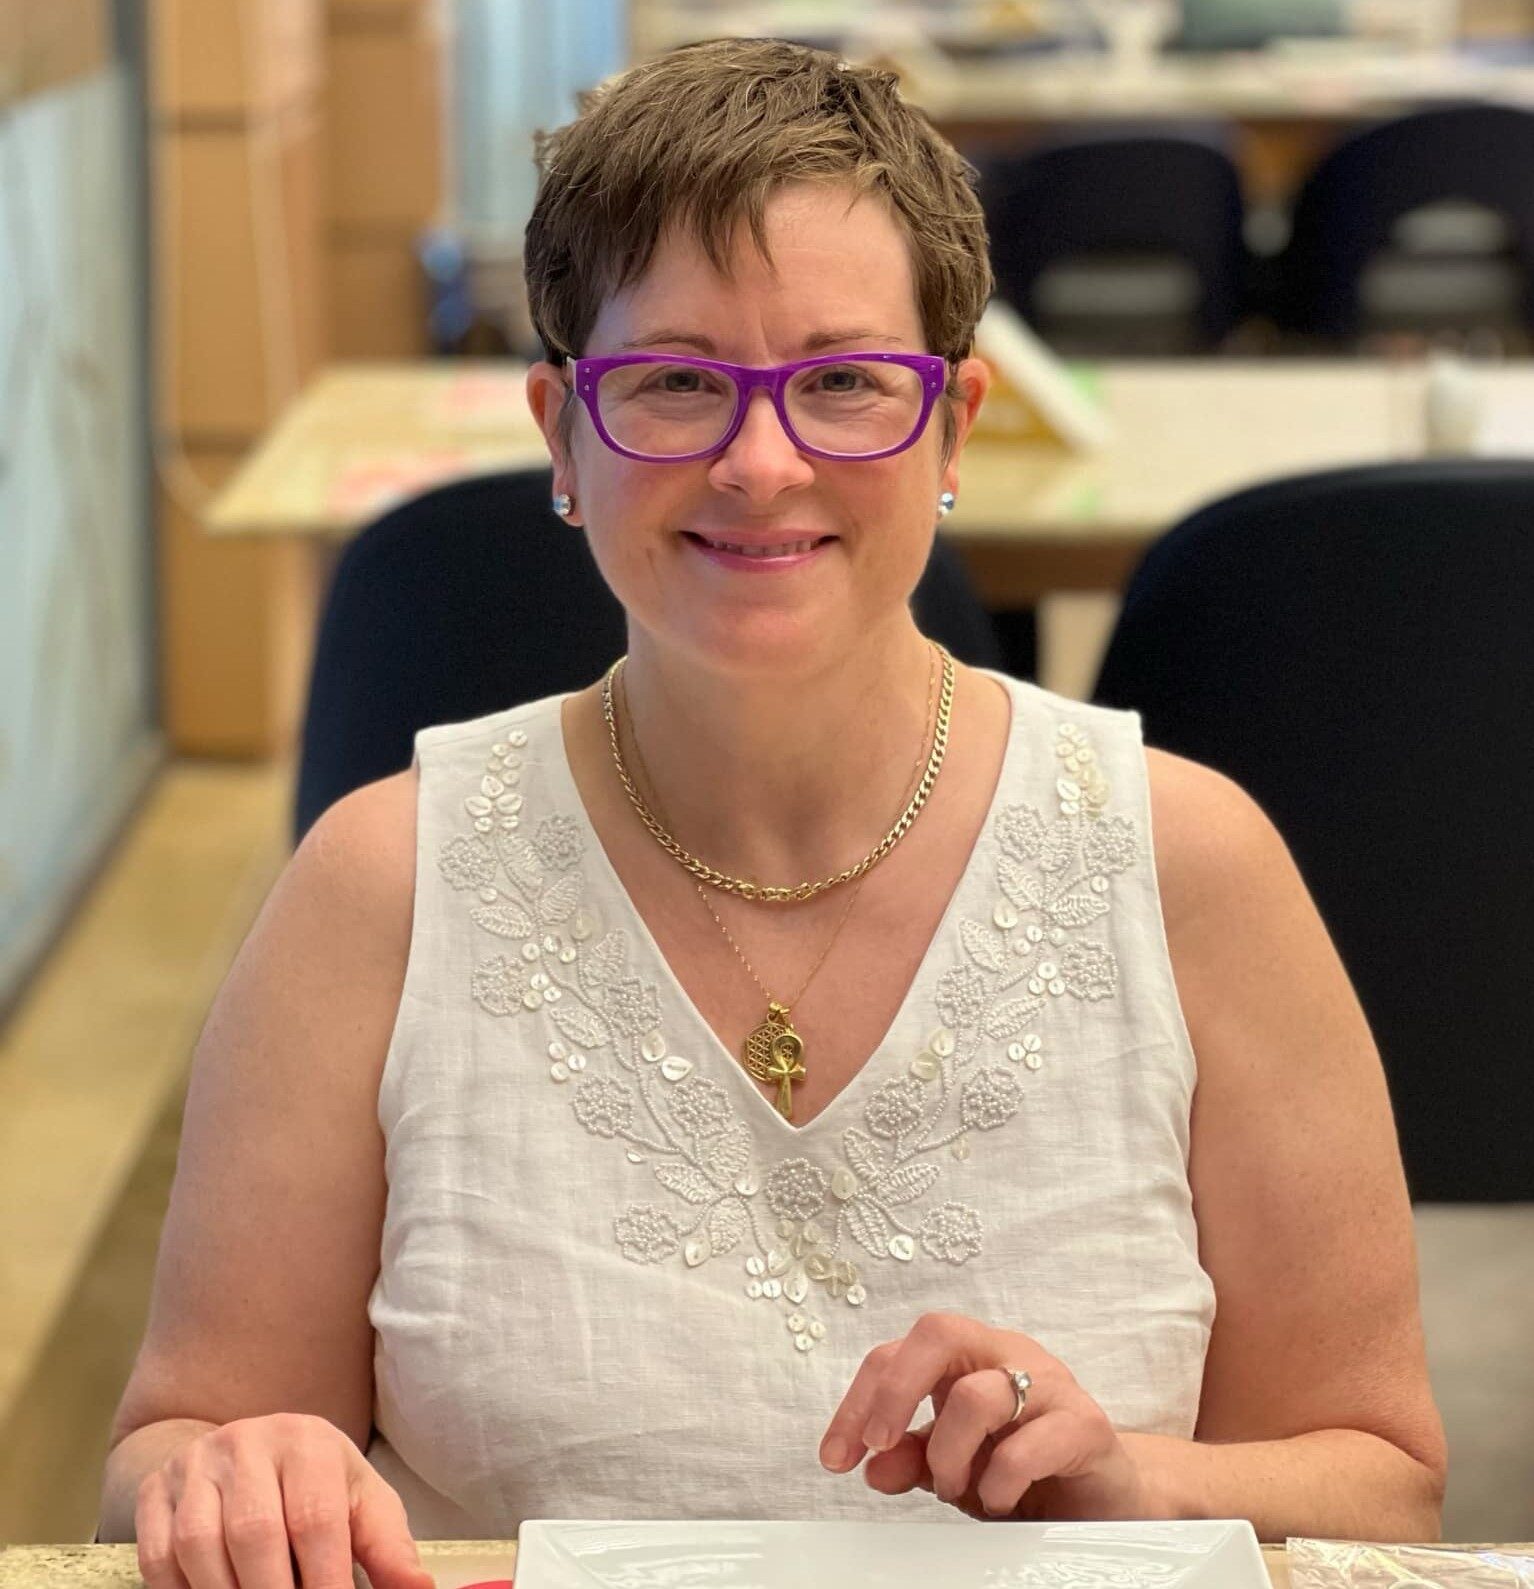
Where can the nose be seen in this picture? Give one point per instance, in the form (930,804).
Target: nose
(761,461)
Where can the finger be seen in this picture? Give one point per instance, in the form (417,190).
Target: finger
(940,1392)
(936,1346)
(197,1535)
(842,1447)
(152,1517)
(903,1467)
(316,1511)
(381,1536)
(255,1528)
(976,1407)
(1049,1444)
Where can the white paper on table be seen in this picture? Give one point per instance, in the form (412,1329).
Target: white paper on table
(1506,429)
(1024,364)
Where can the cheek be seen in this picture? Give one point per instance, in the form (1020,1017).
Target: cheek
(614,491)
(898,498)
(630,511)
(631,500)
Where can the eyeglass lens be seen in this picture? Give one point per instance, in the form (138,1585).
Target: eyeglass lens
(670,410)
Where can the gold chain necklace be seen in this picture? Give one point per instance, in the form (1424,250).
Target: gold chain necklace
(773,1052)
(766,893)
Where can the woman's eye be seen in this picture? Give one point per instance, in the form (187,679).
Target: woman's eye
(681,381)
(838,381)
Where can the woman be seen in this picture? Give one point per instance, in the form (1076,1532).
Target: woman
(792,1026)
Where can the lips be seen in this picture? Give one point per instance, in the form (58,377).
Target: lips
(759,547)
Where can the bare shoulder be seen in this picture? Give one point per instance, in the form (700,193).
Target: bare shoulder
(361,851)
(1212,838)
(1242,929)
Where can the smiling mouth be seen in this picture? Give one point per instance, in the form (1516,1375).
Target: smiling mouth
(780,549)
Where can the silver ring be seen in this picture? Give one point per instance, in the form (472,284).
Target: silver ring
(1022,1383)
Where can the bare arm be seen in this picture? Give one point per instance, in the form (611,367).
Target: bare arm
(1316,1414)
(271,1243)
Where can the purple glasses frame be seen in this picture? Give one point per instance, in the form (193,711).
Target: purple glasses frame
(774,378)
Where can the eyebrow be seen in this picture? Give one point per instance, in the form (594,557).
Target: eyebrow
(814,343)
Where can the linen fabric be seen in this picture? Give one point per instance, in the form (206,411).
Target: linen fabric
(615,1283)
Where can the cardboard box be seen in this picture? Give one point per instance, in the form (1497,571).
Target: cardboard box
(238,223)
(302,174)
(383,13)
(387,114)
(237,619)
(10,50)
(58,42)
(377,299)
(1497,19)
(233,59)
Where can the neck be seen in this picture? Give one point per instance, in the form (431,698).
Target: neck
(782,778)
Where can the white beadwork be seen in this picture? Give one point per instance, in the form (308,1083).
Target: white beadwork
(870,1188)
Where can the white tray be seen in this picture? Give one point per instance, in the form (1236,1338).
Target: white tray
(746,1555)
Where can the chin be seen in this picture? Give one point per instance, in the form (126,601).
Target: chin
(780,644)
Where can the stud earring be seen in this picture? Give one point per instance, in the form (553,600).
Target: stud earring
(564,504)
(945,504)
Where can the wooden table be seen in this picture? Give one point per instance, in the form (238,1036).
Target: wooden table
(1032,520)
(453,1563)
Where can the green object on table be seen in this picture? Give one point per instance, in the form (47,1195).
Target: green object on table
(1089,381)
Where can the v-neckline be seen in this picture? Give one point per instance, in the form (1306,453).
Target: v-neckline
(673,992)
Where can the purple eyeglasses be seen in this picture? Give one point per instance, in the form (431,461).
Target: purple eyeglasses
(662,408)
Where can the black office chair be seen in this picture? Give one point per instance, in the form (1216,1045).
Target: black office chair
(1348,209)
(1172,195)
(1354,649)
(473,598)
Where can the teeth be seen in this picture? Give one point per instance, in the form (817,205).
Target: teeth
(787,549)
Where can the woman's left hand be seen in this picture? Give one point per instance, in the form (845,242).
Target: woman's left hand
(1061,1459)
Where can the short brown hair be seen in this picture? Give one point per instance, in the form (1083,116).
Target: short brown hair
(701,138)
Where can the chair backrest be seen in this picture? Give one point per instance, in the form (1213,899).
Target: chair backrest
(1354,649)
(1350,204)
(474,597)
(1174,194)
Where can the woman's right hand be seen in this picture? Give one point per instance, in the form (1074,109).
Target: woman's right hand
(226,1509)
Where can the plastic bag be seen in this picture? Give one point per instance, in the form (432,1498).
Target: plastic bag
(1347,1564)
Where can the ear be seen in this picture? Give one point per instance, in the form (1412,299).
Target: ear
(548,391)
(973,378)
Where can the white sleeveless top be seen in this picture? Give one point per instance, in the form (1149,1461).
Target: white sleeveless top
(616,1283)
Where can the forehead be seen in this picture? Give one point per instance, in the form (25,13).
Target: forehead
(833,257)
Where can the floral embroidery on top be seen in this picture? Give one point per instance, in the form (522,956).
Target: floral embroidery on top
(800,1219)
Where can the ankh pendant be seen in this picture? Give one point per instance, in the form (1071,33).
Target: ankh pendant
(774,1052)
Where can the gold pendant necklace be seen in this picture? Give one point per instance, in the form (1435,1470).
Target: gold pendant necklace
(773,1052)
(783,894)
